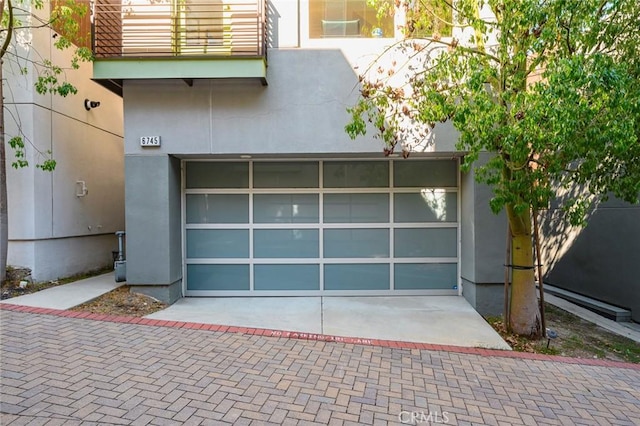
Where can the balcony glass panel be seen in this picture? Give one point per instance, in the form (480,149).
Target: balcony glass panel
(349,18)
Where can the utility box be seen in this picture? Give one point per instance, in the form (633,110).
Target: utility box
(120,268)
(120,264)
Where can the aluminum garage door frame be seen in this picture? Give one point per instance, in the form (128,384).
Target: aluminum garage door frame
(323,228)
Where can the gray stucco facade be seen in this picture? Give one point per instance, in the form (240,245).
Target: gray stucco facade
(153,223)
(483,248)
(301,115)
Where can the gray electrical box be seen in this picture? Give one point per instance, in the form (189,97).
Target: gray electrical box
(120,264)
(120,268)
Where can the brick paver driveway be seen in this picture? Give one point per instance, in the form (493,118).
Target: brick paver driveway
(58,370)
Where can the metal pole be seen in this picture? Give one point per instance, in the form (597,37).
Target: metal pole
(507,277)
(536,234)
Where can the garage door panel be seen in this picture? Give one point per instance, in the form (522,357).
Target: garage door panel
(218,277)
(356,174)
(217,243)
(285,208)
(425,276)
(217,174)
(286,175)
(287,277)
(286,243)
(356,208)
(350,243)
(425,174)
(425,206)
(364,276)
(217,208)
(426,242)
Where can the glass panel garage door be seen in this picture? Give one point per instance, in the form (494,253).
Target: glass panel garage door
(321,227)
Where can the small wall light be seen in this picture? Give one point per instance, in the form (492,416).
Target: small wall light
(90,104)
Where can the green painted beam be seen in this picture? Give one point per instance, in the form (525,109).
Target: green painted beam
(182,68)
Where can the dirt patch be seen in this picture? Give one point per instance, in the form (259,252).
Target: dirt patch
(122,301)
(576,338)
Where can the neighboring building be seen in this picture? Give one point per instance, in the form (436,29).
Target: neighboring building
(600,261)
(240,178)
(62,222)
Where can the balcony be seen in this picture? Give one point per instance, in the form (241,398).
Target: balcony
(178,39)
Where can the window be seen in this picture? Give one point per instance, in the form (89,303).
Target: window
(350,18)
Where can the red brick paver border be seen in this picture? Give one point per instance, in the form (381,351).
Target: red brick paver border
(318,337)
(57,367)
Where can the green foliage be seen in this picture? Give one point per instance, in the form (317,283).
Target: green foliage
(48,164)
(17,144)
(552,88)
(51,78)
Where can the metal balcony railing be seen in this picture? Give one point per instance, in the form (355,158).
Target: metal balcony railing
(174,28)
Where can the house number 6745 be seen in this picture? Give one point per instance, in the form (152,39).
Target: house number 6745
(150,141)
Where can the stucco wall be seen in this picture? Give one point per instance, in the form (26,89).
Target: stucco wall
(51,230)
(302,110)
(153,220)
(483,247)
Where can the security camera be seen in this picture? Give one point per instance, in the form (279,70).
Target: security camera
(90,104)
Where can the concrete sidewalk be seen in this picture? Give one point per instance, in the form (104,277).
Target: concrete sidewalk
(67,296)
(443,320)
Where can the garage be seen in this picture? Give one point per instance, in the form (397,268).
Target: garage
(321,227)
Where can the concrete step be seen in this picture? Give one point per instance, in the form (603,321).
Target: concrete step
(606,310)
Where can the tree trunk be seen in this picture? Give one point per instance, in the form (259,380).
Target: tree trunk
(4,218)
(524,317)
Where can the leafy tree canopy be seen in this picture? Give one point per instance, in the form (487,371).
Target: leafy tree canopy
(551,86)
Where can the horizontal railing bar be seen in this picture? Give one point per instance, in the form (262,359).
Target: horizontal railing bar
(230,28)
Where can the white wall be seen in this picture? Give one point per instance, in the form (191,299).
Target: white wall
(51,230)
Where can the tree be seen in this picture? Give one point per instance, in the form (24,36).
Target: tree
(18,18)
(550,87)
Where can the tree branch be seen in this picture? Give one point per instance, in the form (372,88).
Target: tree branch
(7,40)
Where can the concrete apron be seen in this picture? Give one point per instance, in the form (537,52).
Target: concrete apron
(443,320)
